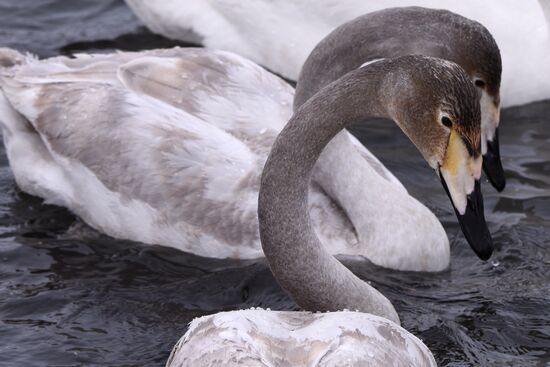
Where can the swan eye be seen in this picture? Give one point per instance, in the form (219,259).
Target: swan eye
(479,83)
(446,121)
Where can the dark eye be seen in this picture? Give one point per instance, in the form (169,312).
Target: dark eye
(479,83)
(446,121)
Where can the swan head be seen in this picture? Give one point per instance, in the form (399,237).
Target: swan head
(437,106)
(471,45)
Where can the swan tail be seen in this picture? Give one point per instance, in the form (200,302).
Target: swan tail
(11,61)
(12,122)
(32,166)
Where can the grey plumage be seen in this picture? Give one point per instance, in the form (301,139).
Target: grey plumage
(164,129)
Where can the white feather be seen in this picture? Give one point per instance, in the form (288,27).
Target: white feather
(300,339)
(281,34)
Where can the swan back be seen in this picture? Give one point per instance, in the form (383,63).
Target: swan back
(298,339)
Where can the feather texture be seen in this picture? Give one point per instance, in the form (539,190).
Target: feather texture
(167,147)
(281,34)
(298,339)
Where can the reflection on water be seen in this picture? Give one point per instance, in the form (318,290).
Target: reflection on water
(70,296)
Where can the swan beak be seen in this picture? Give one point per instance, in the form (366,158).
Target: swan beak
(492,166)
(472,221)
(460,175)
(490,116)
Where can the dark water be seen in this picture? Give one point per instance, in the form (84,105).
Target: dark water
(69,296)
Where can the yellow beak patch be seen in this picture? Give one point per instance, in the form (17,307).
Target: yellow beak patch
(455,155)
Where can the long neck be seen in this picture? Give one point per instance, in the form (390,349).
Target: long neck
(301,265)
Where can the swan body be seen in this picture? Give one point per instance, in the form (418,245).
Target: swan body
(301,339)
(280,35)
(167,146)
(297,258)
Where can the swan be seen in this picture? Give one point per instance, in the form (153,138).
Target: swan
(301,265)
(244,107)
(166,147)
(79,140)
(280,35)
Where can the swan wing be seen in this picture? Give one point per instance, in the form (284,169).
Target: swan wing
(228,91)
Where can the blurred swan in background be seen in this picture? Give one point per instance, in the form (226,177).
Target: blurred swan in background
(281,34)
(300,263)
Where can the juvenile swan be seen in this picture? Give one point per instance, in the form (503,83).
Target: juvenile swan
(166,147)
(444,125)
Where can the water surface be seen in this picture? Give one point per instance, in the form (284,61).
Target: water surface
(70,296)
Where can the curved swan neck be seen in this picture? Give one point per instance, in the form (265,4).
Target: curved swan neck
(315,279)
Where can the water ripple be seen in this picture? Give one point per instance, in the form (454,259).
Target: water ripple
(70,296)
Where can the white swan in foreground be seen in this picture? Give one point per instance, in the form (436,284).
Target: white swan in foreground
(445,126)
(281,34)
(166,147)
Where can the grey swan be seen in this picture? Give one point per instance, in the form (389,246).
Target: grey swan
(436,105)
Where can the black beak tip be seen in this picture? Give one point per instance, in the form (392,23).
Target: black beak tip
(494,172)
(485,251)
(485,255)
(492,165)
(500,186)
(473,224)
(477,234)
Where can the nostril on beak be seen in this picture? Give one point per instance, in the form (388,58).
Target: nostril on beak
(472,202)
